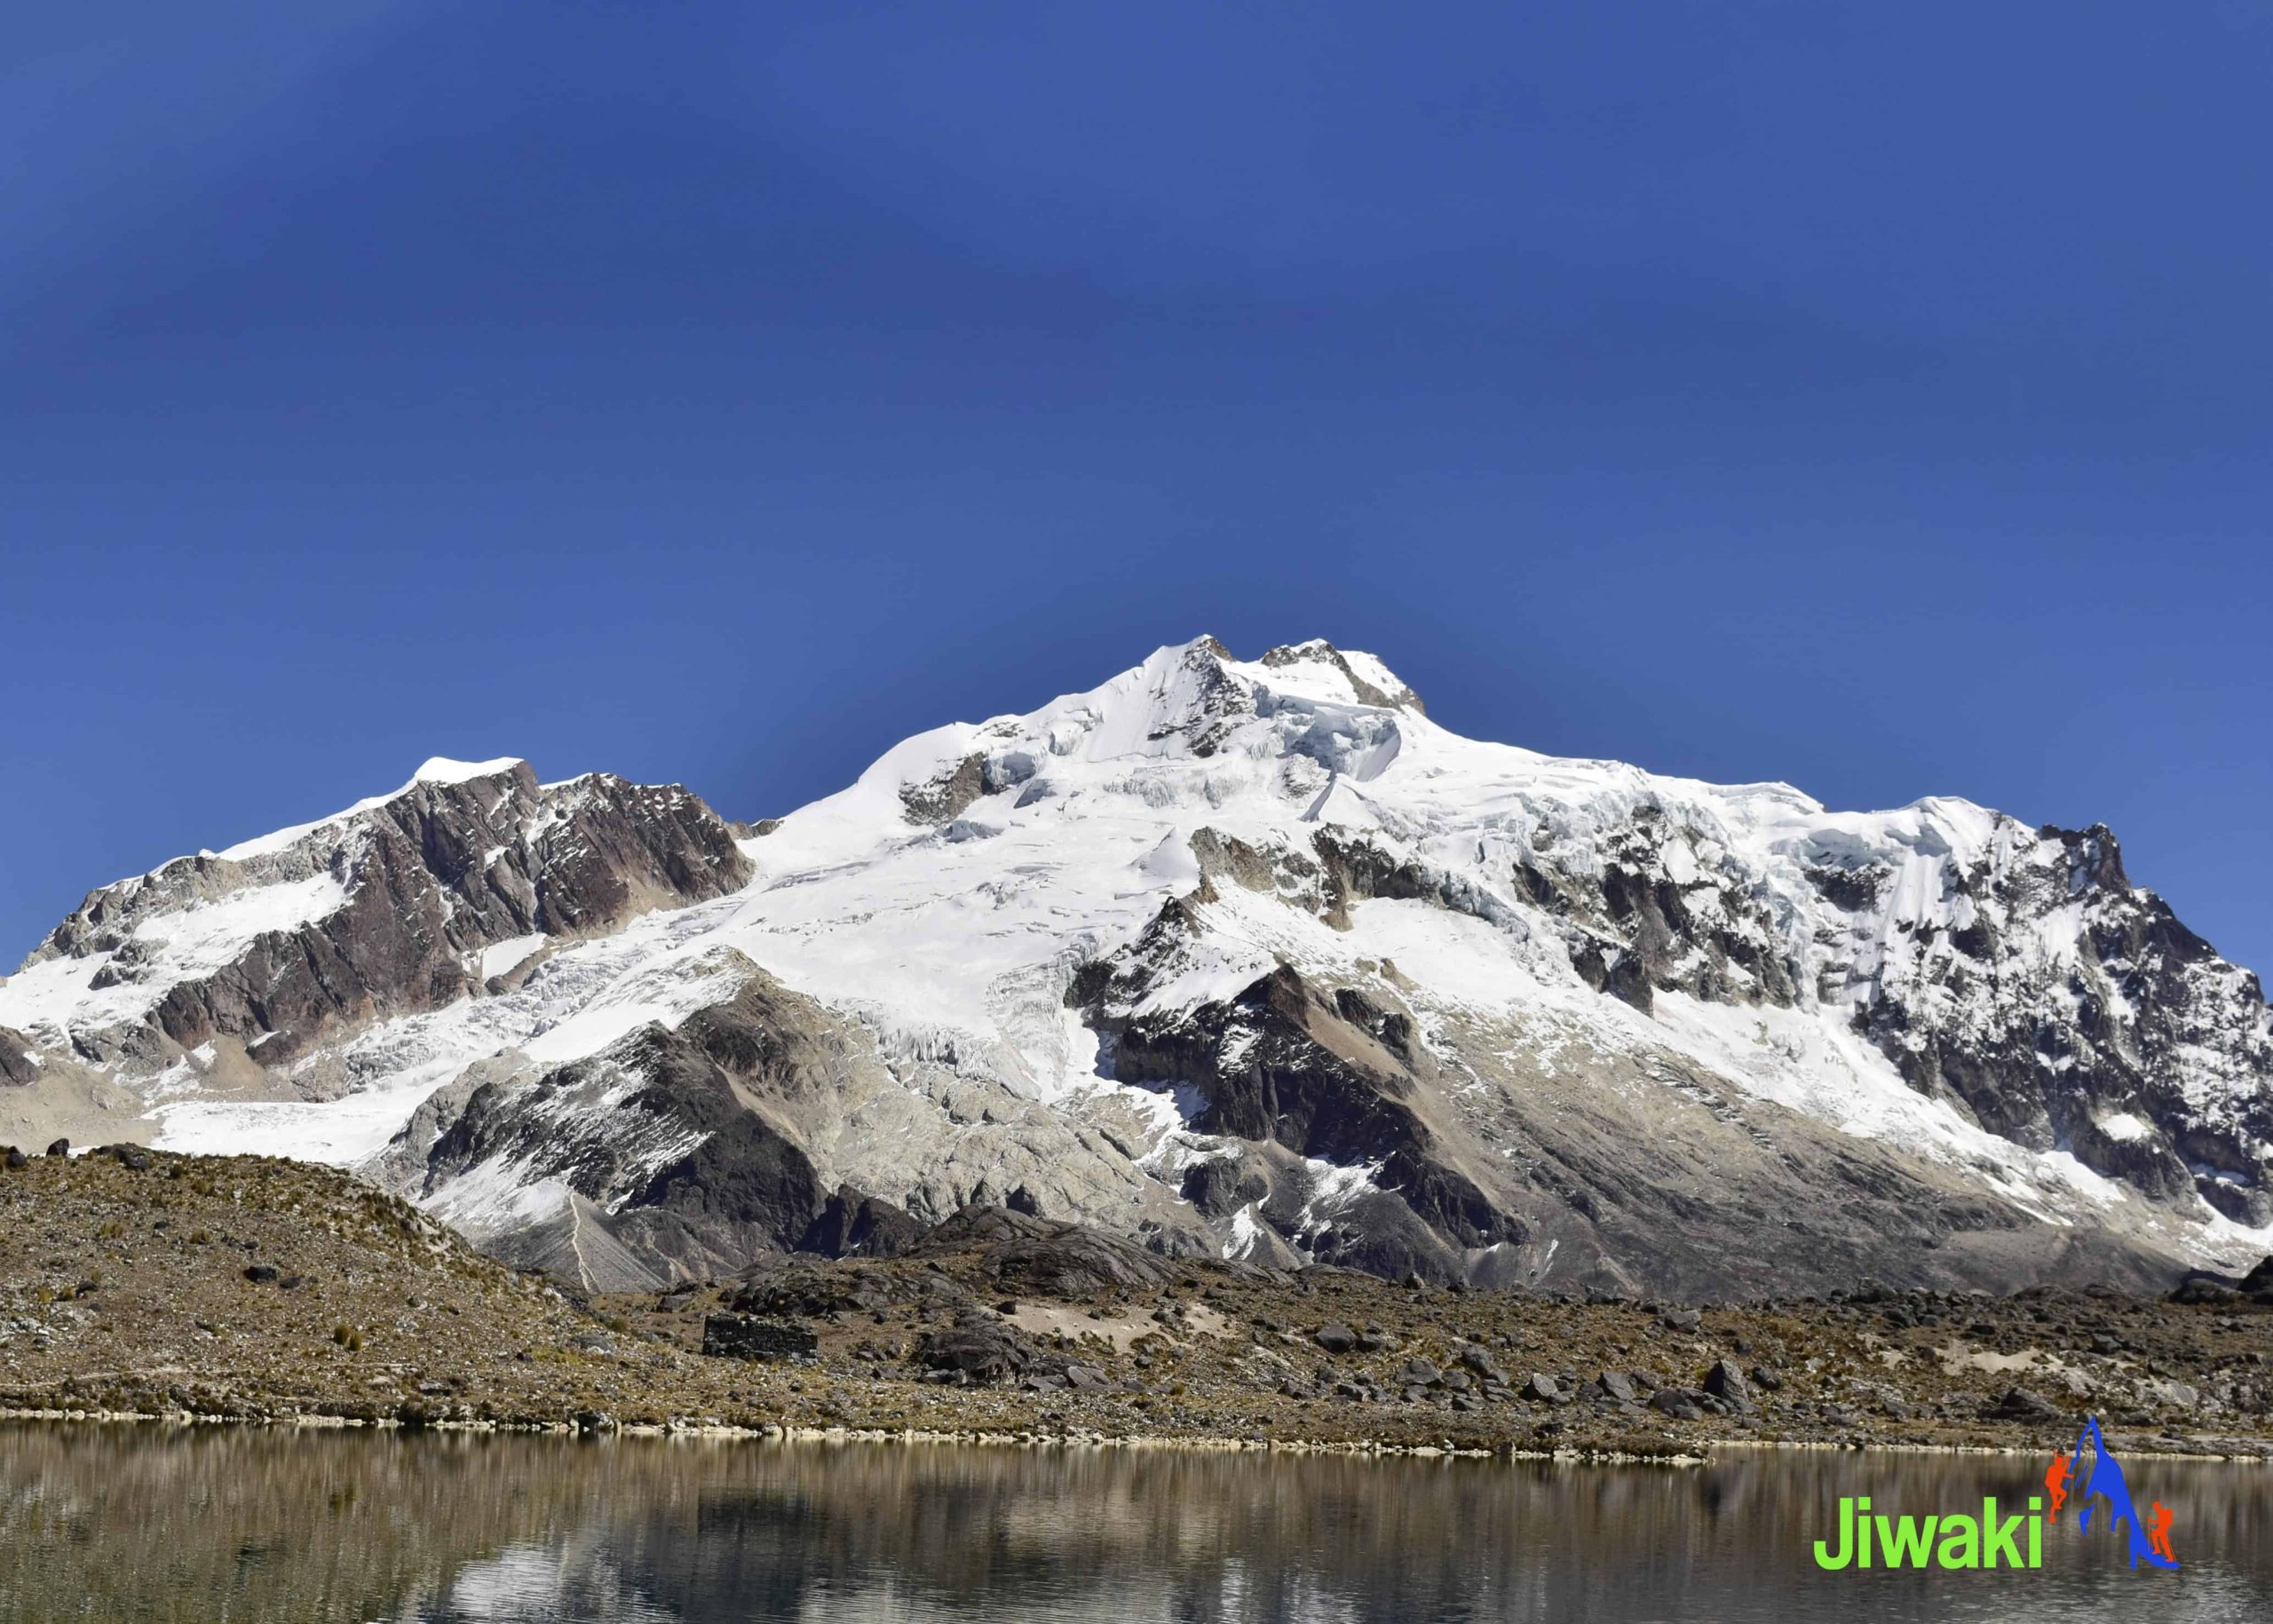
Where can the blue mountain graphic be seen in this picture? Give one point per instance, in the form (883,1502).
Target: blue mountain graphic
(2107,1481)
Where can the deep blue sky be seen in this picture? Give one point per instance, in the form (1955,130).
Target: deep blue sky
(1873,397)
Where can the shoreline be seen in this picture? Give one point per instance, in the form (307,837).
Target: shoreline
(1693,1454)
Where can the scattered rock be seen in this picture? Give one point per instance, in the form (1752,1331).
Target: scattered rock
(61,1147)
(1334,1338)
(1679,1402)
(1618,1384)
(1681,1319)
(745,1336)
(263,1274)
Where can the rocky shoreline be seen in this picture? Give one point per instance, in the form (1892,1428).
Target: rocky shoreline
(140,1284)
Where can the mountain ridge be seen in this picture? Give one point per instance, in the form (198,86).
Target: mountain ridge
(1243,957)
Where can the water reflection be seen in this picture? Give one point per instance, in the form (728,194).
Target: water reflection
(155,1524)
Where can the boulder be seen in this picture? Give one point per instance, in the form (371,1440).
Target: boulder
(1334,1338)
(1726,1383)
(1618,1384)
(2021,1403)
(1679,1402)
(1046,1259)
(1541,1388)
(980,1347)
(2198,1289)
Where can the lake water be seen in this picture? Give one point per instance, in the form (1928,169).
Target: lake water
(215,1524)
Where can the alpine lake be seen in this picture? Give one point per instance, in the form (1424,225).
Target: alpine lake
(207,1524)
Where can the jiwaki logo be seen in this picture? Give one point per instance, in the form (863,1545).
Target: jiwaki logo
(1962,1541)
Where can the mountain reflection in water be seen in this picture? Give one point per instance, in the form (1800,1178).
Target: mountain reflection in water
(148,1523)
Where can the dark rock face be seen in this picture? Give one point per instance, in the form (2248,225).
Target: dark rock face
(431,876)
(852,1224)
(743,1336)
(1666,913)
(2141,1020)
(1300,1073)
(668,1137)
(16,1070)
(1328,1076)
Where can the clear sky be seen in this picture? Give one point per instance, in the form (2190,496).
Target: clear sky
(1874,397)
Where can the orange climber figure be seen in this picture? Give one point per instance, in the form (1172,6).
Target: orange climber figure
(2159,1531)
(2056,1484)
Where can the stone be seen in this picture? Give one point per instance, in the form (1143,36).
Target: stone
(1679,1402)
(1618,1384)
(61,1147)
(1726,1383)
(1334,1338)
(1420,1373)
(2021,1403)
(1767,1378)
(1541,1388)
(132,1157)
(263,1274)
(2199,1289)
(981,1348)
(17,1158)
(1482,1363)
(1683,1318)
(746,1336)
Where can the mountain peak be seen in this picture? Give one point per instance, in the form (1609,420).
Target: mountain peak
(1370,681)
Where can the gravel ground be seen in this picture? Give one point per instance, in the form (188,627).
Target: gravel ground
(256,1290)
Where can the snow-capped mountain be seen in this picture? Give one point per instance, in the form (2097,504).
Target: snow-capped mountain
(1248,957)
